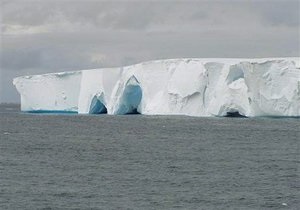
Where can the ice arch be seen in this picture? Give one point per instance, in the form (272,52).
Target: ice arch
(234,114)
(231,110)
(97,107)
(131,98)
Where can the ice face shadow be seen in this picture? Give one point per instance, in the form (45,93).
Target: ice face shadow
(130,99)
(97,107)
(234,114)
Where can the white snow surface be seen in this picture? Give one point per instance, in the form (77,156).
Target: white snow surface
(194,87)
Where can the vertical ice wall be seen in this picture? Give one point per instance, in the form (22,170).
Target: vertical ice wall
(196,87)
(49,92)
(226,90)
(273,87)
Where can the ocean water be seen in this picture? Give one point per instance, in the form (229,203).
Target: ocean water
(69,161)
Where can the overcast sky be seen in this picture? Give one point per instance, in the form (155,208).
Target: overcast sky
(50,36)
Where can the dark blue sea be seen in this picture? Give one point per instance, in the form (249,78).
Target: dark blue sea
(68,161)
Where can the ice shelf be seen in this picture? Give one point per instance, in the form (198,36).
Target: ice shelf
(195,87)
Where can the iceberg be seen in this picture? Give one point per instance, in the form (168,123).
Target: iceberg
(194,87)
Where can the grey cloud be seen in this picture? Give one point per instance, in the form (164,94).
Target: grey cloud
(280,12)
(19,59)
(48,59)
(27,13)
(101,13)
(104,14)
(134,14)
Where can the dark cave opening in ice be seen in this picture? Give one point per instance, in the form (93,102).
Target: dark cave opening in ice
(234,114)
(97,107)
(131,98)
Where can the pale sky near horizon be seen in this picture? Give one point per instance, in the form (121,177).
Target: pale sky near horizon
(44,36)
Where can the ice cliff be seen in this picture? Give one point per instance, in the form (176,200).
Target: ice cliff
(195,87)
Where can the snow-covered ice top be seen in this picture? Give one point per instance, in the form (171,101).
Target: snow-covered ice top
(195,87)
